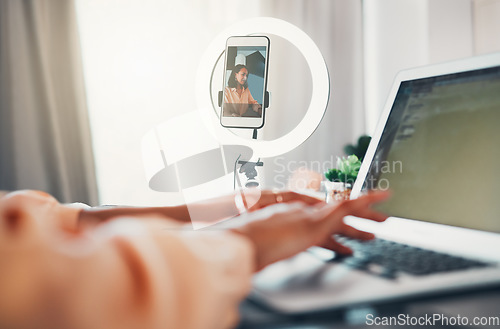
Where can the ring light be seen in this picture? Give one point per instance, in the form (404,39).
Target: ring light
(320,85)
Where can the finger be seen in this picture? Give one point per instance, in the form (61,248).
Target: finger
(361,205)
(356,206)
(372,197)
(371,215)
(291,196)
(255,198)
(354,233)
(332,244)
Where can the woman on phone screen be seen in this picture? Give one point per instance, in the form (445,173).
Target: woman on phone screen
(238,95)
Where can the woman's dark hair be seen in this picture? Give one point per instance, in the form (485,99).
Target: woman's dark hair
(231,83)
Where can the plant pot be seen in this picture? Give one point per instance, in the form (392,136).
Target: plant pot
(337,191)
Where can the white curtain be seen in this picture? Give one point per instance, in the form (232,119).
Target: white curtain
(336,28)
(140,59)
(44,132)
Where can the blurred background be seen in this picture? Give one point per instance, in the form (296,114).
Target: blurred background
(82,81)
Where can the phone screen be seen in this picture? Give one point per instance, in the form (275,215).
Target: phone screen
(245,77)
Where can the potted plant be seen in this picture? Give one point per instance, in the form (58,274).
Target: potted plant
(342,178)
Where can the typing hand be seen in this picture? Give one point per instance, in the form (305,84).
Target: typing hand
(287,229)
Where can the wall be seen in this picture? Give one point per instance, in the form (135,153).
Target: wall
(404,34)
(486,26)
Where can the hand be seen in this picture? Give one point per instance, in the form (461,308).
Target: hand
(293,228)
(257,108)
(258,199)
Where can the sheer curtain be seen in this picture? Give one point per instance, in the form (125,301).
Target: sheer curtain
(336,28)
(44,132)
(140,59)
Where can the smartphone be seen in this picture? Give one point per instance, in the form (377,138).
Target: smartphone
(245,82)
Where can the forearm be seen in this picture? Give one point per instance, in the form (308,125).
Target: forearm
(205,211)
(213,209)
(150,278)
(99,215)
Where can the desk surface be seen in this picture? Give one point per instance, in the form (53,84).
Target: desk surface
(483,304)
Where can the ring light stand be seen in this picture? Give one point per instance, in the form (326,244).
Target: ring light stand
(247,167)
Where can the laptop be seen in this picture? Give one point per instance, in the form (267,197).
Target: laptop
(437,147)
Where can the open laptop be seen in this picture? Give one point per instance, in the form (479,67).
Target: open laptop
(437,147)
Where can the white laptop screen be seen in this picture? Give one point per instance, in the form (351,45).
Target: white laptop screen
(440,151)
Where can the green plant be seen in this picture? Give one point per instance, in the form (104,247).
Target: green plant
(346,171)
(360,148)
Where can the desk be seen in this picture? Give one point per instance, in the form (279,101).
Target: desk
(484,303)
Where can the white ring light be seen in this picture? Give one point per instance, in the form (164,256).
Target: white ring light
(320,85)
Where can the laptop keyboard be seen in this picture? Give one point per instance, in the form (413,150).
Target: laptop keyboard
(388,258)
